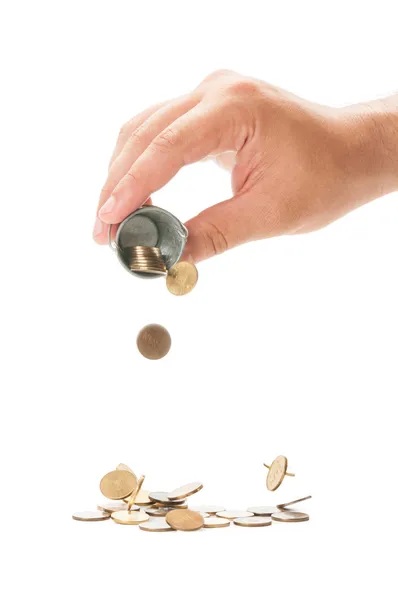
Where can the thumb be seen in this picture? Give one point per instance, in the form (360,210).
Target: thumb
(220,228)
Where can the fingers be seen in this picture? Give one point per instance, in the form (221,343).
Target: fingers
(194,135)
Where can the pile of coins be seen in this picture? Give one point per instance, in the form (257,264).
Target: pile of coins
(145,259)
(169,511)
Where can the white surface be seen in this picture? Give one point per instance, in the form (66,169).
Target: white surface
(285,346)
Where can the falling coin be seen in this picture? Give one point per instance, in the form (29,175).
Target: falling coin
(118,484)
(212,510)
(213,522)
(123,467)
(289,516)
(154,342)
(111,507)
(277,472)
(158,524)
(182,278)
(234,514)
(293,502)
(184,520)
(91,515)
(126,517)
(253,521)
(263,511)
(185,490)
(136,491)
(163,498)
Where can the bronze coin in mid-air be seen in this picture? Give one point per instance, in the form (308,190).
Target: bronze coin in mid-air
(118,484)
(154,341)
(156,524)
(263,511)
(91,515)
(213,522)
(293,502)
(290,516)
(234,514)
(182,278)
(276,473)
(185,490)
(126,517)
(253,521)
(135,492)
(184,520)
(123,467)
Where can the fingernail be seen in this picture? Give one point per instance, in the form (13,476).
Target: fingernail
(98,227)
(108,206)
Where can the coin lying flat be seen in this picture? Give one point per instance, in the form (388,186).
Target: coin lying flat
(276,473)
(263,511)
(184,520)
(163,498)
(111,507)
(234,514)
(118,484)
(293,502)
(290,516)
(91,515)
(208,508)
(143,498)
(253,521)
(156,524)
(125,517)
(182,278)
(154,342)
(185,490)
(214,522)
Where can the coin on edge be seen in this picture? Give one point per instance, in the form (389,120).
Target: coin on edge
(234,514)
(263,511)
(91,515)
(185,490)
(125,517)
(156,524)
(212,510)
(153,341)
(253,521)
(290,516)
(184,520)
(111,507)
(182,278)
(276,473)
(118,484)
(293,502)
(214,522)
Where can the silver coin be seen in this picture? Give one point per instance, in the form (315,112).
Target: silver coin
(156,524)
(208,508)
(214,522)
(163,498)
(253,521)
(263,511)
(290,516)
(185,490)
(234,514)
(293,502)
(111,507)
(91,515)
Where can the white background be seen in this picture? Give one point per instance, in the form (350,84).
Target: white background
(287,346)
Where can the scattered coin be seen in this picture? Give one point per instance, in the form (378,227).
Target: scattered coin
(111,507)
(154,342)
(182,278)
(213,522)
(234,514)
(263,511)
(157,524)
(185,490)
(276,473)
(118,484)
(290,516)
(157,511)
(293,502)
(212,510)
(253,521)
(126,517)
(184,520)
(91,515)
(163,498)
(143,498)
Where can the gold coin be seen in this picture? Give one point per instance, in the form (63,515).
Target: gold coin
(293,502)
(263,511)
(118,484)
(157,524)
(91,515)
(213,522)
(123,467)
(234,514)
(253,521)
(143,498)
(184,520)
(136,491)
(125,517)
(163,498)
(276,473)
(154,342)
(290,516)
(185,490)
(182,278)
(111,507)
(208,508)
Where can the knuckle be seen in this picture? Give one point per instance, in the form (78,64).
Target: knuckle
(166,141)
(218,74)
(124,130)
(214,239)
(243,87)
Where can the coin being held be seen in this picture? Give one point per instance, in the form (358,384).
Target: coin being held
(185,490)
(125,517)
(234,514)
(118,484)
(253,521)
(182,278)
(91,515)
(213,522)
(154,342)
(290,516)
(263,511)
(157,524)
(184,520)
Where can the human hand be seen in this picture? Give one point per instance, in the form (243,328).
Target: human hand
(297,165)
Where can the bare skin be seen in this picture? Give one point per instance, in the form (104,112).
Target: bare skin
(296,166)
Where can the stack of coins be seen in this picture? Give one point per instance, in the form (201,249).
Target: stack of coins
(146,259)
